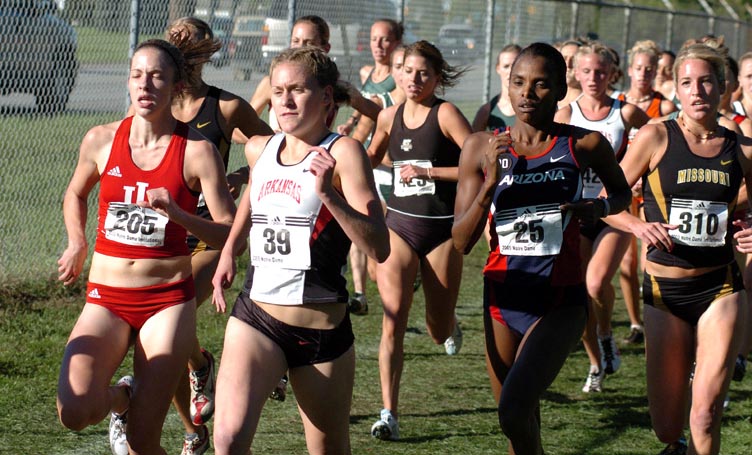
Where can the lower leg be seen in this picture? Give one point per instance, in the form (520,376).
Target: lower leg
(630,284)
(359,268)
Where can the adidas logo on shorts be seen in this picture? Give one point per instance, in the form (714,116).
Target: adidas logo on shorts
(94,294)
(115,172)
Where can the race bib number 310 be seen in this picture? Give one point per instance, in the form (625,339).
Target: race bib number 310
(701,223)
(530,231)
(130,224)
(281,241)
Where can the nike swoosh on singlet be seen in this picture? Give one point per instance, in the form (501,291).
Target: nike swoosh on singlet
(201,125)
(725,163)
(553,160)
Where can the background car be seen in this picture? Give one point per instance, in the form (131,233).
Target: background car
(222,28)
(459,42)
(37,53)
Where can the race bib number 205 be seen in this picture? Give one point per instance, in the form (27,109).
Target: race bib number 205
(130,224)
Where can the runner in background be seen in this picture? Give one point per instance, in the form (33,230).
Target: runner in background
(498,112)
(377,82)
(602,246)
(422,137)
(215,114)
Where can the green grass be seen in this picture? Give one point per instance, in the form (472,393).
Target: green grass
(446,403)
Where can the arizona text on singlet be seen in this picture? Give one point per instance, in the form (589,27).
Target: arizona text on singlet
(425,146)
(297,247)
(698,195)
(126,230)
(533,242)
(496,118)
(612,127)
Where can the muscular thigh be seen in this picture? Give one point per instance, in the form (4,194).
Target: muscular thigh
(608,249)
(96,346)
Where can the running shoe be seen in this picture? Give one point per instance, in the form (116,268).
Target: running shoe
(594,380)
(118,423)
(610,355)
(636,335)
(386,428)
(453,344)
(740,368)
(202,391)
(280,391)
(677,448)
(194,444)
(358,304)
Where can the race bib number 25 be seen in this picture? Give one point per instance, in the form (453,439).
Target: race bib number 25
(530,231)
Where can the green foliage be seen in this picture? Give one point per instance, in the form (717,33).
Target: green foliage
(446,403)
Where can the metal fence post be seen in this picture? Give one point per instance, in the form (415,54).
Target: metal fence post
(711,15)
(490,13)
(133,39)
(573,23)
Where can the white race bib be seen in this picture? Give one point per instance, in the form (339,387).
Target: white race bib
(281,241)
(591,184)
(536,230)
(130,224)
(416,186)
(701,223)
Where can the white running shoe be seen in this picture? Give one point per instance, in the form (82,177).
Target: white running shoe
(118,423)
(280,392)
(453,344)
(194,444)
(386,428)
(202,391)
(594,380)
(610,355)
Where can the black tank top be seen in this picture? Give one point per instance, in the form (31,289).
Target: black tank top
(699,195)
(425,143)
(206,122)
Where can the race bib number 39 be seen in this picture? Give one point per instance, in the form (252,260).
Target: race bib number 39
(701,223)
(281,241)
(416,186)
(530,231)
(130,224)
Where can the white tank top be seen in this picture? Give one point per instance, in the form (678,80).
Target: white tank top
(613,129)
(284,211)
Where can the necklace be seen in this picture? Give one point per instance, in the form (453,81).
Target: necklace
(638,100)
(702,136)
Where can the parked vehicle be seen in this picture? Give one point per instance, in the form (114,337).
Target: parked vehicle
(37,53)
(249,34)
(222,29)
(459,42)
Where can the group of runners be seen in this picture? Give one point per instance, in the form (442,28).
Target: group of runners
(559,174)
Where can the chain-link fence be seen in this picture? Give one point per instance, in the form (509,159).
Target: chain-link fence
(64,63)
